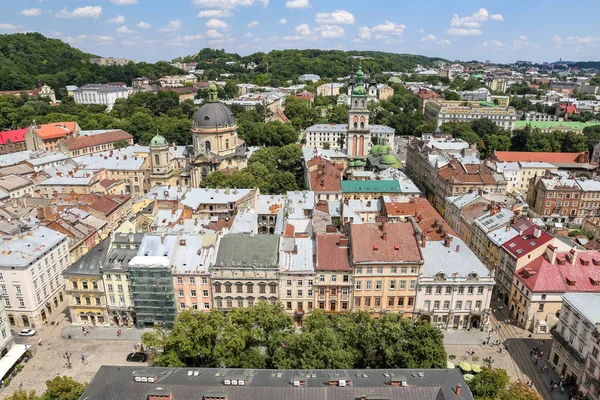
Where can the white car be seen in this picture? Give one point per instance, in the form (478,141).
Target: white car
(28,332)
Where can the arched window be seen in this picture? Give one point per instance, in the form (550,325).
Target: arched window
(362,103)
(156,159)
(356,125)
(356,102)
(25,320)
(226,143)
(362,124)
(207,146)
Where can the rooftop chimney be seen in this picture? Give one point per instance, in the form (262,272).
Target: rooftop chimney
(458,389)
(384,236)
(447,240)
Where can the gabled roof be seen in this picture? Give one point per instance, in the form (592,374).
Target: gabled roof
(523,244)
(81,142)
(55,130)
(384,243)
(15,136)
(332,252)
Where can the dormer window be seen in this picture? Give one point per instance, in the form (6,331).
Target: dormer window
(571,282)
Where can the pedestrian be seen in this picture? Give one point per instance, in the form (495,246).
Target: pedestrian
(562,390)
(536,361)
(82,358)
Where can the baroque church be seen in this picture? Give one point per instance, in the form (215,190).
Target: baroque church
(357,137)
(216,146)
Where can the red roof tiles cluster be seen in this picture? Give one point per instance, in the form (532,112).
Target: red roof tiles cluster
(15,136)
(570,272)
(55,130)
(326,177)
(81,142)
(529,240)
(332,252)
(467,173)
(384,242)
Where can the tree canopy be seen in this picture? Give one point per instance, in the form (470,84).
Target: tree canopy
(57,388)
(263,336)
(494,384)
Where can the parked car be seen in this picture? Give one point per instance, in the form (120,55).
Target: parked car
(138,356)
(28,332)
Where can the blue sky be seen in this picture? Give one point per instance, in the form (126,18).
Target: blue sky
(151,30)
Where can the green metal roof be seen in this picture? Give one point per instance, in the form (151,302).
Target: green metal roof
(383,186)
(544,125)
(238,249)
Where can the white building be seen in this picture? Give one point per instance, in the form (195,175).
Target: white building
(31,267)
(454,289)
(100,94)
(574,334)
(6,339)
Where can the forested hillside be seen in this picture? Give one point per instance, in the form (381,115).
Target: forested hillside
(29,58)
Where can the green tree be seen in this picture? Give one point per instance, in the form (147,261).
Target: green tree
(21,394)
(451,95)
(489,383)
(519,391)
(63,388)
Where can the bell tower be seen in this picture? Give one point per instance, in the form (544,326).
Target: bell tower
(359,132)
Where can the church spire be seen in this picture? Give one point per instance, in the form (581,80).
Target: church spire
(212,93)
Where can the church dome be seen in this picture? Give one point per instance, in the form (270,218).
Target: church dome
(213,115)
(158,140)
(375,150)
(388,159)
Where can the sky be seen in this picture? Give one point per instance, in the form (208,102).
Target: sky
(152,30)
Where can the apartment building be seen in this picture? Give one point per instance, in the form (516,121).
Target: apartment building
(245,271)
(100,94)
(517,252)
(111,61)
(574,352)
(556,199)
(333,283)
(386,260)
(297,259)
(85,288)
(89,142)
(7,339)
(47,136)
(442,111)
(191,271)
(496,218)
(31,266)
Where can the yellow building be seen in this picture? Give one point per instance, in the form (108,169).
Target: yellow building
(85,289)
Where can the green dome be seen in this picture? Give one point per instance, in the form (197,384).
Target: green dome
(374,150)
(388,159)
(359,73)
(158,140)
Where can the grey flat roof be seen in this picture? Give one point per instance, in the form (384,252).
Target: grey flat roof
(438,258)
(587,304)
(91,263)
(243,249)
(22,251)
(117,383)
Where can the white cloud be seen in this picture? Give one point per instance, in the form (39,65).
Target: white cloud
(123,29)
(303,30)
(216,24)
(338,17)
(213,34)
(189,38)
(471,25)
(119,19)
(331,31)
(364,33)
(103,40)
(388,29)
(297,4)
(577,41)
(463,32)
(253,24)
(123,2)
(228,4)
(143,25)
(56,33)
(420,31)
(214,14)
(522,43)
(129,42)
(31,12)
(497,43)
(10,27)
(81,12)
(248,34)
(172,26)
(282,21)
(431,38)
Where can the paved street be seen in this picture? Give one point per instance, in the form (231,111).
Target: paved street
(400,144)
(101,347)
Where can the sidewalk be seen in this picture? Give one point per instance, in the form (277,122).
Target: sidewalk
(103,333)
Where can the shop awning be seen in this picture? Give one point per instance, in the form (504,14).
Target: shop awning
(11,358)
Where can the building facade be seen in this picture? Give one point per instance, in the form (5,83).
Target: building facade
(100,94)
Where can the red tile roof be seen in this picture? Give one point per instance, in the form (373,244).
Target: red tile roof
(581,275)
(530,156)
(81,142)
(55,130)
(467,173)
(15,136)
(523,244)
(108,204)
(384,242)
(282,116)
(428,219)
(332,253)
(106,183)
(326,177)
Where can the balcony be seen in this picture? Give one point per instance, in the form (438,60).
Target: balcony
(561,339)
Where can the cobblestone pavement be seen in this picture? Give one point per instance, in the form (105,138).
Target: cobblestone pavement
(101,347)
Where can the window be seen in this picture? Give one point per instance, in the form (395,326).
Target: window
(368,285)
(394,270)
(446,304)
(369,270)
(461,290)
(357,302)
(288,293)
(468,305)
(229,303)
(181,293)
(478,305)
(480,290)
(402,284)
(310,282)
(377,301)
(438,290)
(239,288)
(299,292)
(378,285)
(192,280)
(321,278)
(299,283)
(458,305)
(428,290)
(346,278)
(367,302)
(426,305)
(413,270)
(436,305)
(358,285)
(179,280)
(470,290)
(288,282)
(448,290)
(110,287)
(392,285)
(204,280)
(413,284)
(193,293)
(21,303)
(402,270)
(74,285)
(120,288)
(333,278)
(18,289)
(543,297)
(379,270)
(207,306)
(228,288)
(205,293)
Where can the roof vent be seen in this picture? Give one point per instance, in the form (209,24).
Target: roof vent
(375,247)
